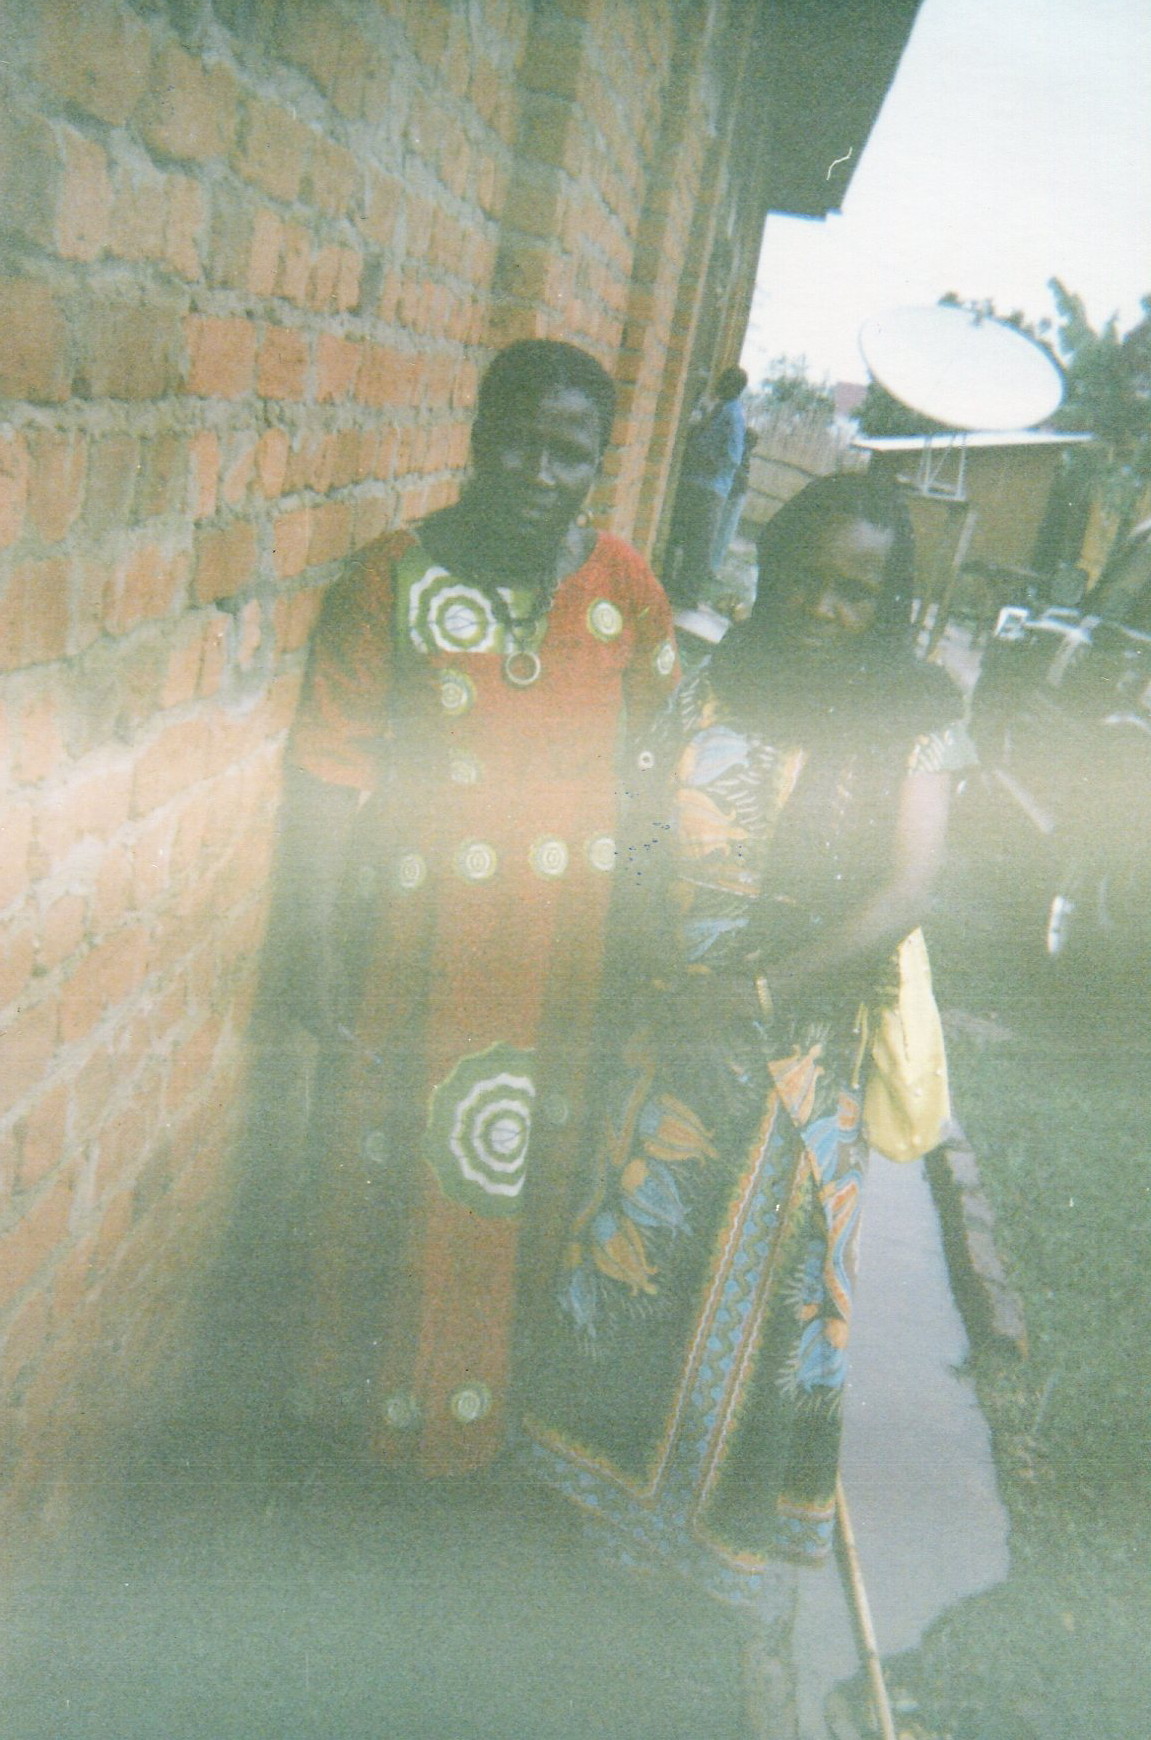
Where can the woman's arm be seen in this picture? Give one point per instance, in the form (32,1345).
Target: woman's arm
(875,927)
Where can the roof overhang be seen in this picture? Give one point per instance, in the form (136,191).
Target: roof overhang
(828,68)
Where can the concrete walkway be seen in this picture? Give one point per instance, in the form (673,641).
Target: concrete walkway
(917,1469)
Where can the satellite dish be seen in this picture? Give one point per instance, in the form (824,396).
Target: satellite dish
(964,370)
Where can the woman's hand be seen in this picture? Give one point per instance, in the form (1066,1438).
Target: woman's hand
(875,928)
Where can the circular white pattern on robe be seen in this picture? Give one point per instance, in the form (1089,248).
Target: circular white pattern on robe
(450,614)
(645,759)
(462,770)
(471,1402)
(457,692)
(605,619)
(375,1147)
(665,659)
(401,1411)
(479,1127)
(556,1109)
(601,852)
(477,861)
(412,871)
(549,857)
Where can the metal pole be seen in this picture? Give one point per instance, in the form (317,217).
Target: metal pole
(861,1613)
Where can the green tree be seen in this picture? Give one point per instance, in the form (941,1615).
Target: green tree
(1107,392)
(788,389)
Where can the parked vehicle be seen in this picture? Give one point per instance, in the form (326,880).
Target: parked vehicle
(1062,717)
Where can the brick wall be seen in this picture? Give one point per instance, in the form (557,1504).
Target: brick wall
(253,255)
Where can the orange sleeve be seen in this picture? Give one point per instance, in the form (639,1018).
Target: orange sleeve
(654,671)
(342,730)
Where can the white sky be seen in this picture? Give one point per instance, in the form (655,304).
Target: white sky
(1014,146)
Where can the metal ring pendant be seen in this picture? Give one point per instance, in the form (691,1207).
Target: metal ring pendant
(521,668)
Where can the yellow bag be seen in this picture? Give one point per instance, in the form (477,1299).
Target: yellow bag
(906,1103)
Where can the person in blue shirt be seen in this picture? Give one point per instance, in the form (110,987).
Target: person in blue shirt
(712,454)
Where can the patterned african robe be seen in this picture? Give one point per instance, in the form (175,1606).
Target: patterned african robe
(491,821)
(688,1383)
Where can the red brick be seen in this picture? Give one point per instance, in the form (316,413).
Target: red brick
(190,109)
(320,467)
(272,461)
(62,929)
(363,89)
(322,279)
(85,209)
(95,57)
(28,1043)
(337,365)
(105,1071)
(222,352)
(214,663)
(331,532)
(295,618)
(9,1160)
(282,369)
(345,458)
(185,220)
(374,514)
(34,614)
(34,355)
(123,1146)
(239,471)
(104,977)
(226,558)
(44,1136)
(295,264)
(93,804)
(162,483)
(40,744)
(149,583)
(126,350)
(205,457)
(274,149)
(113,894)
(385,376)
(179,757)
(290,537)
(183,674)
(17,959)
(193,820)
(385,195)
(152,860)
(311,40)
(139,213)
(72,1280)
(347,292)
(55,482)
(29,176)
(115,1225)
(332,179)
(25,1337)
(192,1065)
(264,255)
(14,481)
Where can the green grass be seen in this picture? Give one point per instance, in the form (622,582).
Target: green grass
(1050,1079)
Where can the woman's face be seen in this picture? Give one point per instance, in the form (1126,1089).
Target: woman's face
(534,468)
(828,595)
